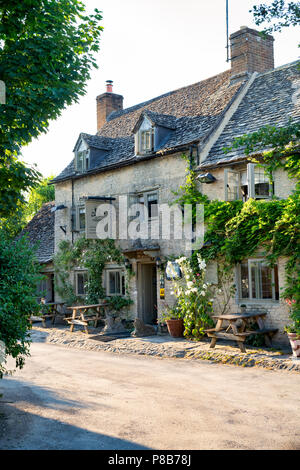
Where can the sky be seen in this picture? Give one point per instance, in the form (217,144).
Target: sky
(150,47)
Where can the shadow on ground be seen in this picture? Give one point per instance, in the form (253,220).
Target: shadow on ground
(23,425)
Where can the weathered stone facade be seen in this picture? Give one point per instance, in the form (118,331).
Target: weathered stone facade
(138,151)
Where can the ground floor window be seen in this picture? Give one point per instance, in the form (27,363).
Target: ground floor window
(81,278)
(257,280)
(115,282)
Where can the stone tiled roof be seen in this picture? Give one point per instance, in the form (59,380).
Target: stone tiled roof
(40,233)
(272,99)
(191,111)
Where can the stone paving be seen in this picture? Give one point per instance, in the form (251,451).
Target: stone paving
(167,347)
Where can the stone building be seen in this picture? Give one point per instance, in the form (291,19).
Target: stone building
(136,157)
(40,234)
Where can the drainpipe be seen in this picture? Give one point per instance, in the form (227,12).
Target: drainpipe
(192,148)
(72,211)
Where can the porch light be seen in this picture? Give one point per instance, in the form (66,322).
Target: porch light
(58,208)
(206,178)
(158,261)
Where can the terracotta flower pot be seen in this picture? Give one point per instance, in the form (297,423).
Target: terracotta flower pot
(175,327)
(295,343)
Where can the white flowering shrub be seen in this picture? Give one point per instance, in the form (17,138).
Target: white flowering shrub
(193,294)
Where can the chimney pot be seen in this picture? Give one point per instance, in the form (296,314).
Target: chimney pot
(109,86)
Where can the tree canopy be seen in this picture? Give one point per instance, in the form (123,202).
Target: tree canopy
(47,49)
(280,14)
(19,276)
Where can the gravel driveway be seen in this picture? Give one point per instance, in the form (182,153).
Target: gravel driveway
(72,399)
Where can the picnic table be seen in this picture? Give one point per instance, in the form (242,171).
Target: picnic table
(237,327)
(80,315)
(50,312)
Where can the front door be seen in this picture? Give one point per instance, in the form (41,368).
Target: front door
(147,293)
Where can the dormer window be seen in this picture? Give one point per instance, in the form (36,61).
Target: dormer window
(145,138)
(147,141)
(82,160)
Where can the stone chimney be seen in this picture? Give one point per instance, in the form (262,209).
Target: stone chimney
(107,103)
(250,52)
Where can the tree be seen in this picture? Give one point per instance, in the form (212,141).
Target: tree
(47,48)
(25,210)
(280,13)
(38,195)
(19,276)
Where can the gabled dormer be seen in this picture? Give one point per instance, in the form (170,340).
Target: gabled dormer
(81,155)
(89,151)
(152,131)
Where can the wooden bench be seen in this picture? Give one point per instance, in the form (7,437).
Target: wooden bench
(80,315)
(239,334)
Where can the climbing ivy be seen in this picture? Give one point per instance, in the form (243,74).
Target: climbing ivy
(93,256)
(235,230)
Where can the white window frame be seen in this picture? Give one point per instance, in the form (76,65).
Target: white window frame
(122,273)
(250,182)
(146,128)
(76,274)
(250,261)
(82,165)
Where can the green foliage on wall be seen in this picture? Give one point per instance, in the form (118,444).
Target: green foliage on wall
(236,230)
(91,255)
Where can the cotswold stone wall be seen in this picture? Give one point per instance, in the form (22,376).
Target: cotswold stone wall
(283,186)
(277,311)
(163,174)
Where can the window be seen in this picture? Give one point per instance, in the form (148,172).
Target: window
(147,141)
(78,219)
(144,138)
(81,278)
(151,201)
(115,282)
(245,184)
(82,160)
(258,281)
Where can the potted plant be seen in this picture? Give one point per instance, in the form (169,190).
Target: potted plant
(293,330)
(173,318)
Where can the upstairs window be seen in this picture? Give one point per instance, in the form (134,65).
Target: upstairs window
(82,160)
(147,141)
(144,138)
(245,184)
(148,200)
(78,219)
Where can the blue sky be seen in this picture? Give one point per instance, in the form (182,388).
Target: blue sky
(150,47)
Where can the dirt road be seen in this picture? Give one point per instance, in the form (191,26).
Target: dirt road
(72,399)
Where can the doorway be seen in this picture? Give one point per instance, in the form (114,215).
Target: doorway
(147,288)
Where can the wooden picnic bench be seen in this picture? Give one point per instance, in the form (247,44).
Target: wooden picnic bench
(52,313)
(235,332)
(81,317)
